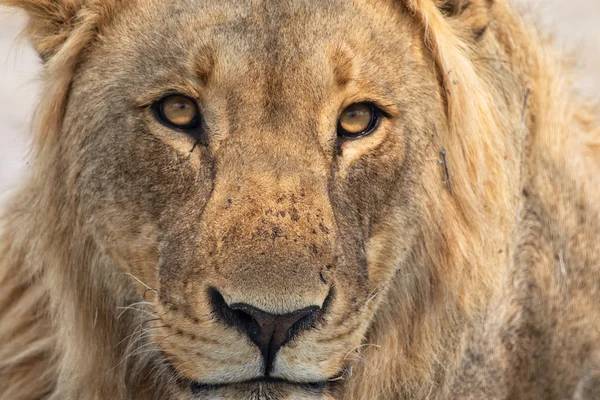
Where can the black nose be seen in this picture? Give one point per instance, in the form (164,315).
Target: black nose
(268,331)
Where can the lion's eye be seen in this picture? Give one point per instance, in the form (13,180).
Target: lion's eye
(178,111)
(357,120)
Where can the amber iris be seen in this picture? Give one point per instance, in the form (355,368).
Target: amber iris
(179,111)
(357,120)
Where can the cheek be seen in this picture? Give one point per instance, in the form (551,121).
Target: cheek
(383,186)
(125,166)
(354,150)
(130,183)
(376,183)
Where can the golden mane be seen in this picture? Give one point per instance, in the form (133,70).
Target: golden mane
(479,149)
(500,83)
(498,89)
(480,146)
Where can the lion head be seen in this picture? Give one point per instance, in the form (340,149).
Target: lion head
(271,190)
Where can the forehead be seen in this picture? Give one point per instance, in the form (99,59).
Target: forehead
(262,23)
(245,41)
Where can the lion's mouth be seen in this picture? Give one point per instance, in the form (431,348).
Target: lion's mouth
(201,388)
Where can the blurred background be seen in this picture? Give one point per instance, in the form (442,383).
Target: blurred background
(575,24)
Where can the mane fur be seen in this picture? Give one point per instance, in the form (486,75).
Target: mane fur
(508,95)
(55,314)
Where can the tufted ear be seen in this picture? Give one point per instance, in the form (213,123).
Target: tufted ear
(58,27)
(50,22)
(471,16)
(60,30)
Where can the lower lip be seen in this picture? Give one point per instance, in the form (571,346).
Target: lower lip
(199,388)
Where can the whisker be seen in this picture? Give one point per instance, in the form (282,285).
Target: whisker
(140,310)
(178,368)
(150,320)
(132,307)
(140,332)
(149,290)
(367,345)
(140,281)
(159,364)
(136,351)
(357,352)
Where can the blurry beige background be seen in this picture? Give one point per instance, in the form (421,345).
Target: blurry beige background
(576,23)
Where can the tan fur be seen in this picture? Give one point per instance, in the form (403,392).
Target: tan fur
(454,250)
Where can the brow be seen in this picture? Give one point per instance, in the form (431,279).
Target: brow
(343,71)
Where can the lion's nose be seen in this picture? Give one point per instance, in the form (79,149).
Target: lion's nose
(268,331)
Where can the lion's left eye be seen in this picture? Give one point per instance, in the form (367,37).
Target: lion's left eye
(358,120)
(178,111)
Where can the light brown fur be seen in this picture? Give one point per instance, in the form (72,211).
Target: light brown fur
(455,249)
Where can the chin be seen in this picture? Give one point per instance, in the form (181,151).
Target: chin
(263,389)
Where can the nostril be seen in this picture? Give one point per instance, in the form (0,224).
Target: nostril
(306,320)
(268,331)
(231,317)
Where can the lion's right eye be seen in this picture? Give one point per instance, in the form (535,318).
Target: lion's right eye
(178,111)
(357,120)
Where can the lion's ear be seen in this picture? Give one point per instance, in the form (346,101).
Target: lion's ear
(60,30)
(472,16)
(55,25)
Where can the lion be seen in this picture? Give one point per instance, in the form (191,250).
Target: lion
(320,199)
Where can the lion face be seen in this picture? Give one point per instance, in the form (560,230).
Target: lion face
(220,160)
